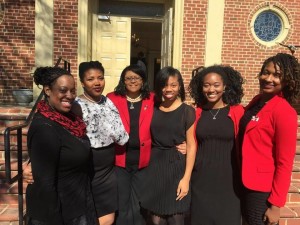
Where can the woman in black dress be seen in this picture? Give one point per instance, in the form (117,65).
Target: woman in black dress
(59,151)
(217,91)
(135,103)
(166,194)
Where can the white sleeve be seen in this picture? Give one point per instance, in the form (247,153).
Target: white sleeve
(118,132)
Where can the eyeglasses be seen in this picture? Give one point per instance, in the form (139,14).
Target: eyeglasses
(129,79)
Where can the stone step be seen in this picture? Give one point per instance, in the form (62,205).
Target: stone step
(9,214)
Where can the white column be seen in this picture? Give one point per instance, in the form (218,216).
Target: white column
(43,36)
(214,32)
(178,33)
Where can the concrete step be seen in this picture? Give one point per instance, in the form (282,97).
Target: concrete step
(9,214)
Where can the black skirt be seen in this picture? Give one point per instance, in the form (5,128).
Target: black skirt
(104,181)
(254,206)
(162,176)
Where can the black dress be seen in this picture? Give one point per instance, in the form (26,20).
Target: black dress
(215,179)
(167,164)
(61,191)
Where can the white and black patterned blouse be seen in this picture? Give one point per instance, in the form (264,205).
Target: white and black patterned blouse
(103,122)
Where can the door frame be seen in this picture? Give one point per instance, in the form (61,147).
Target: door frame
(83,26)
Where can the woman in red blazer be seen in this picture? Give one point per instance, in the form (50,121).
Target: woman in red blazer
(135,104)
(217,91)
(268,133)
(134,101)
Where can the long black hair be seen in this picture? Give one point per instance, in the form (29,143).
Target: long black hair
(162,79)
(290,74)
(231,78)
(121,88)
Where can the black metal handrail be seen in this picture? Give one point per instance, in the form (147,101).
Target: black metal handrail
(7,147)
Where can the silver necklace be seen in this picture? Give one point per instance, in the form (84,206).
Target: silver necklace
(133,100)
(214,115)
(91,100)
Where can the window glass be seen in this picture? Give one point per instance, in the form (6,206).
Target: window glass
(268,26)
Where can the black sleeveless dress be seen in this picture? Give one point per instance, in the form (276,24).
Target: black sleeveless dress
(215,179)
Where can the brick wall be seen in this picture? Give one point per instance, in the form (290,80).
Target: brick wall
(241,51)
(66,31)
(16,47)
(194,30)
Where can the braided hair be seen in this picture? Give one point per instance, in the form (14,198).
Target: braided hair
(290,74)
(232,80)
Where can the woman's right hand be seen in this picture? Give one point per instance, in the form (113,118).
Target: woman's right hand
(27,174)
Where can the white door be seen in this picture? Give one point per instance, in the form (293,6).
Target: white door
(166,45)
(111,46)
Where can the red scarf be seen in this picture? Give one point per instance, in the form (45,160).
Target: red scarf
(70,121)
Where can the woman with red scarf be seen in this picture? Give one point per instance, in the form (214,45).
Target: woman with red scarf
(59,151)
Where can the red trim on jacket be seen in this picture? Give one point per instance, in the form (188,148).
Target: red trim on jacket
(144,128)
(235,113)
(269,148)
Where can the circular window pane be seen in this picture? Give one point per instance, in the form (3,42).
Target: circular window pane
(267,26)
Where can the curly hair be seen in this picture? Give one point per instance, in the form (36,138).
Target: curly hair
(121,88)
(162,79)
(290,74)
(231,78)
(85,66)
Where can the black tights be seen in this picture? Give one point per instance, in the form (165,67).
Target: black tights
(177,219)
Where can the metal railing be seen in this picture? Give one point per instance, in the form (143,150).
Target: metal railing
(7,148)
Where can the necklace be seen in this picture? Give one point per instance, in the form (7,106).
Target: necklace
(214,115)
(133,100)
(91,100)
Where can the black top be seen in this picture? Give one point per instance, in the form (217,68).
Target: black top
(168,129)
(248,115)
(215,138)
(133,145)
(60,171)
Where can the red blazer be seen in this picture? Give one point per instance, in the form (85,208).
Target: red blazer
(235,114)
(144,128)
(269,148)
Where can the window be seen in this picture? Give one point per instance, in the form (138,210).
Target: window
(270,25)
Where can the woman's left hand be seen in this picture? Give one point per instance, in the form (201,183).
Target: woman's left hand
(183,189)
(272,215)
(181,148)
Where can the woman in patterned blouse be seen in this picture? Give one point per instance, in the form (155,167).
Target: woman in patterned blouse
(104,128)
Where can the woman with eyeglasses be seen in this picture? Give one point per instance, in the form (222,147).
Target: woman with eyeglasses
(135,103)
